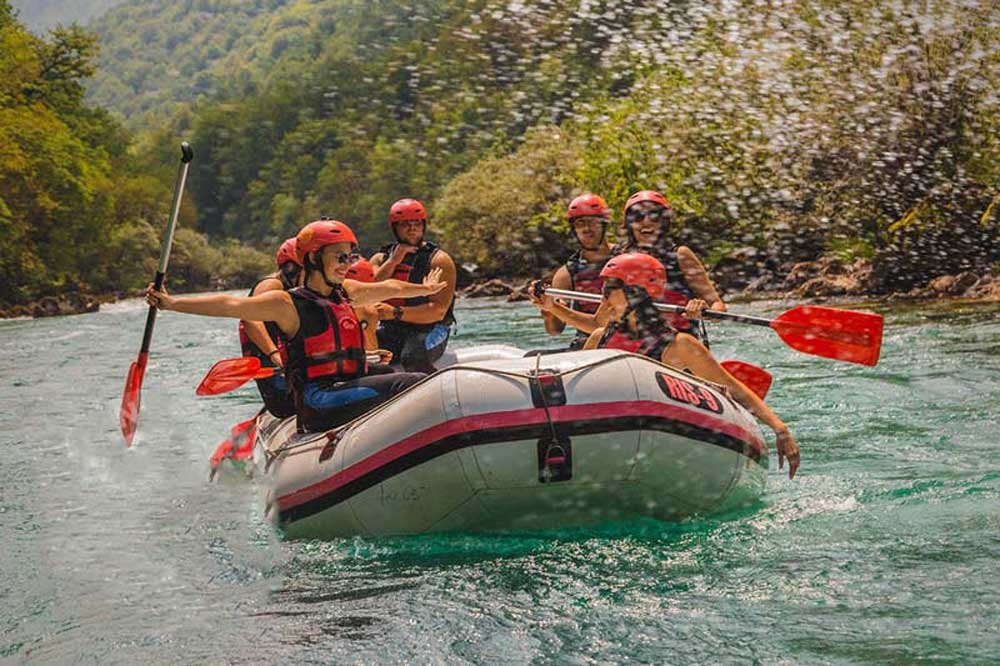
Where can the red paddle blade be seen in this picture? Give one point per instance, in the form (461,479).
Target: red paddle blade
(238,446)
(128,414)
(845,335)
(231,374)
(756,379)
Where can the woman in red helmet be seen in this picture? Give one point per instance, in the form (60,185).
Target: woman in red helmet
(326,363)
(588,217)
(648,216)
(415,330)
(264,339)
(633,282)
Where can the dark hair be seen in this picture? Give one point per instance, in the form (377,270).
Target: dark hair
(649,320)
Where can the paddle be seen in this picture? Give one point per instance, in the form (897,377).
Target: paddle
(844,335)
(237,447)
(756,379)
(128,415)
(232,373)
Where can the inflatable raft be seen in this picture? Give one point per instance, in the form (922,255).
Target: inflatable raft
(501,442)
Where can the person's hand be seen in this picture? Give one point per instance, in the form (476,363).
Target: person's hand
(158,299)
(433,282)
(385,356)
(400,252)
(538,297)
(787,448)
(694,308)
(275,357)
(384,311)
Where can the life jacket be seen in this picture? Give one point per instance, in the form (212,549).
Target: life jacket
(330,342)
(251,349)
(586,277)
(414,268)
(616,336)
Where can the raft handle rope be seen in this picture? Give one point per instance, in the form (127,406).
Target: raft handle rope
(337,433)
(534,379)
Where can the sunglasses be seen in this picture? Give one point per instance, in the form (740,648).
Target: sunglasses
(636,214)
(347,258)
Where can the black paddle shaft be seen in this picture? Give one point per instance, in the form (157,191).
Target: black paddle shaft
(187,154)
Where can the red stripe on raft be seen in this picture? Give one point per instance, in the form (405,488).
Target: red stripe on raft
(517,417)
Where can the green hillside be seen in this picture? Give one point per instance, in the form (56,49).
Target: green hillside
(341,107)
(791,129)
(77,210)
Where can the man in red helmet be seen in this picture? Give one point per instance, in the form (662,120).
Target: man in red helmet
(415,330)
(588,217)
(326,364)
(264,340)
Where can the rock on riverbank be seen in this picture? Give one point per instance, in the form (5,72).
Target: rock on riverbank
(57,305)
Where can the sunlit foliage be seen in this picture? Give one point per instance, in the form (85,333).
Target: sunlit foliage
(75,209)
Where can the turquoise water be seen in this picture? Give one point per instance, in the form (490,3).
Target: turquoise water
(886,548)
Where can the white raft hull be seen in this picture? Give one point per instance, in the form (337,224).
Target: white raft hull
(482,445)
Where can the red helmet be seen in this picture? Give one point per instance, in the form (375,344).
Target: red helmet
(648,195)
(638,270)
(288,252)
(405,210)
(315,235)
(588,205)
(361,270)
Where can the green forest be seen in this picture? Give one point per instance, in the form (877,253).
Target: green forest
(791,129)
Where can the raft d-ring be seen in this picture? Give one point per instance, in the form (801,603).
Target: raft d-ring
(333,438)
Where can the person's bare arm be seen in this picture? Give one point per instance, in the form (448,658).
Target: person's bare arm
(561,280)
(687,352)
(373,292)
(702,286)
(437,308)
(594,339)
(273,306)
(385,264)
(256,331)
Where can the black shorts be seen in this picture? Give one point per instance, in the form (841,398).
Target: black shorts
(412,348)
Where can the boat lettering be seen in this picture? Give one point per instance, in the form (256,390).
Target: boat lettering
(686,392)
(409,494)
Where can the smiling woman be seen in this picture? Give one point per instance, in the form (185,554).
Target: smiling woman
(326,361)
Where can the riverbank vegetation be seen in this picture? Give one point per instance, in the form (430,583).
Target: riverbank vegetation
(864,134)
(78,211)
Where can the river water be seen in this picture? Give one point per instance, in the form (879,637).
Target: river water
(885,549)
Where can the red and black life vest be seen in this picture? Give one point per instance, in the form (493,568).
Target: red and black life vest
(330,342)
(414,268)
(616,336)
(251,349)
(586,277)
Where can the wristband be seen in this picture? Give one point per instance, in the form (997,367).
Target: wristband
(397,312)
